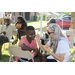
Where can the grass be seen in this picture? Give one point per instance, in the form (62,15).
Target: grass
(36,22)
(6,53)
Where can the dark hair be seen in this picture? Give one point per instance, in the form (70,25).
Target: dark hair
(21,18)
(52,21)
(30,28)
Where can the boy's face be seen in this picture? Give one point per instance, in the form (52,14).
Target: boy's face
(7,21)
(30,34)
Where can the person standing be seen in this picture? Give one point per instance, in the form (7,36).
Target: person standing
(2,16)
(13,18)
(9,15)
(21,26)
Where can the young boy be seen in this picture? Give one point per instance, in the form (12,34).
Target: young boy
(29,43)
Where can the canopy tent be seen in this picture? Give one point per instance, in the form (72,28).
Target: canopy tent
(41,19)
(41,25)
(50,14)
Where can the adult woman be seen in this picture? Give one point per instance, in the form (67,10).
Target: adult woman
(58,42)
(21,26)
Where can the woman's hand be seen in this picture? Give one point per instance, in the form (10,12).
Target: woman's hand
(38,37)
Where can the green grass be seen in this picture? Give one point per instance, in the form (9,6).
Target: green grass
(71,51)
(33,22)
(6,53)
(36,22)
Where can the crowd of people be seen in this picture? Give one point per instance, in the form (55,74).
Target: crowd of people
(4,15)
(57,46)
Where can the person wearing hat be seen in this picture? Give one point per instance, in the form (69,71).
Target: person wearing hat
(6,33)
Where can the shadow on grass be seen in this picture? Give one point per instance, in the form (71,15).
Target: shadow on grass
(5,58)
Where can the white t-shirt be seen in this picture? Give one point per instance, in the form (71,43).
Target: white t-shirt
(2,14)
(63,47)
(9,30)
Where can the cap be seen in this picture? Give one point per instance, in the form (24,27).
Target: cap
(7,18)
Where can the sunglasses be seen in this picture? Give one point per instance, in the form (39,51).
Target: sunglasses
(49,32)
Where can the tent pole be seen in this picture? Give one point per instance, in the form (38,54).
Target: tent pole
(62,20)
(41,25)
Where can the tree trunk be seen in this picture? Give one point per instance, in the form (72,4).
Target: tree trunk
(72,20)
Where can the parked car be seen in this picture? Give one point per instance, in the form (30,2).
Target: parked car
(66,15)
(66,22)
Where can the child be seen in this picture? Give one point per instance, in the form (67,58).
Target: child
(21,26)
(29,43)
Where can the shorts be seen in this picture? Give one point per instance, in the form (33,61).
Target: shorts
(3,39)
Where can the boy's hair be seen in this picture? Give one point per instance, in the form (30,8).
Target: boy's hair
(30,28)
(52,21)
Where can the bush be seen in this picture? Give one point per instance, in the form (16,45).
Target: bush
(38,18)
(44,18)
(34,18)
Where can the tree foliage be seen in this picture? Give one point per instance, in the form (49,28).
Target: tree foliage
(66,12)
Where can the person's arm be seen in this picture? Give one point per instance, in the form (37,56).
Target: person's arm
(22,29)
(41,46)
(2,31)
(39,43)
(60,57)
(24,47)
(16,34)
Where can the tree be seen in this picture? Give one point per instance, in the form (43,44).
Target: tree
(44,15)
(72,20)
(66,12)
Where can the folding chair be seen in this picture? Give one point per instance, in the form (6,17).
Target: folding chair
(72,35)
(17,51)
(71,56)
